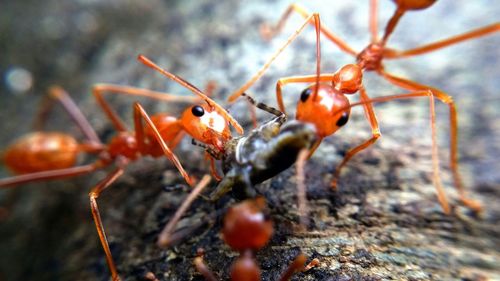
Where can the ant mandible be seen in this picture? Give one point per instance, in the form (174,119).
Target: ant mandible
(320,101)
(52,155)
(247,229)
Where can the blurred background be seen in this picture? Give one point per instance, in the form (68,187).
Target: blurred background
(46,231)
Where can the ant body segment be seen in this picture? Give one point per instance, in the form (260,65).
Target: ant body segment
(325,103)
(247,229)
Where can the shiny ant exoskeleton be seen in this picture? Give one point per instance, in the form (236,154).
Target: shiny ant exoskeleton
(247,229)
(52,155)
(327,107)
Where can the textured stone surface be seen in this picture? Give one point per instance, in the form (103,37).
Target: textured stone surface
(384,221)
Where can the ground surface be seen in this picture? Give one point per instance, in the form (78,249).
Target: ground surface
(384,221)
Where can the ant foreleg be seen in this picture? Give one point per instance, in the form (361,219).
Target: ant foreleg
(94,194)
(370,115)
(139,113)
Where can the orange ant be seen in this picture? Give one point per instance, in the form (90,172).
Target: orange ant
(247,229)
(52,155)
(320,101)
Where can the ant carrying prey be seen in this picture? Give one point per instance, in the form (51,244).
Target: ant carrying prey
(319,102)
(248,160)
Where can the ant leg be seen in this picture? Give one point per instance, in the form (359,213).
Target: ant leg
(373,21)
(167,236)
(177,138)
(295,266)
(94,194)
(213,168)
(266,108)
(215,153)
(203,269)
(301,188)
(414,94)
(147,62)
(59,94)
(314,18)
(139,113)
(370,115)
(315,262)
(445,98)
(268,32)
(99,89)
(210,88)
(75,113)
(49,175)
(483,31)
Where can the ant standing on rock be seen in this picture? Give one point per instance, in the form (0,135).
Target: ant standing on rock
(327,107)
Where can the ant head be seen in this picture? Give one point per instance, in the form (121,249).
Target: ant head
(322,109)
(204,123)
(246,226)
(245,268)
(414,4)
(347,80)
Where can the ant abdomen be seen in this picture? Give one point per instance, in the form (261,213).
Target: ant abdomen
(246,226)
(41,151)
(414,4)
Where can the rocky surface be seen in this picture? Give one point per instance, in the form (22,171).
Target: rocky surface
(384,221)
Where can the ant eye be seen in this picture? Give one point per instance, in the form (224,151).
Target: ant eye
(197,110)
(343,119)
(305,94)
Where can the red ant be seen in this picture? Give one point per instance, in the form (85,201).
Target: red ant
(320,101)
(247,229)
(52,155)
(247,160)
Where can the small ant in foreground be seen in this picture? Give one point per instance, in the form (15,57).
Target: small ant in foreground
(320,101)
(247,229)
